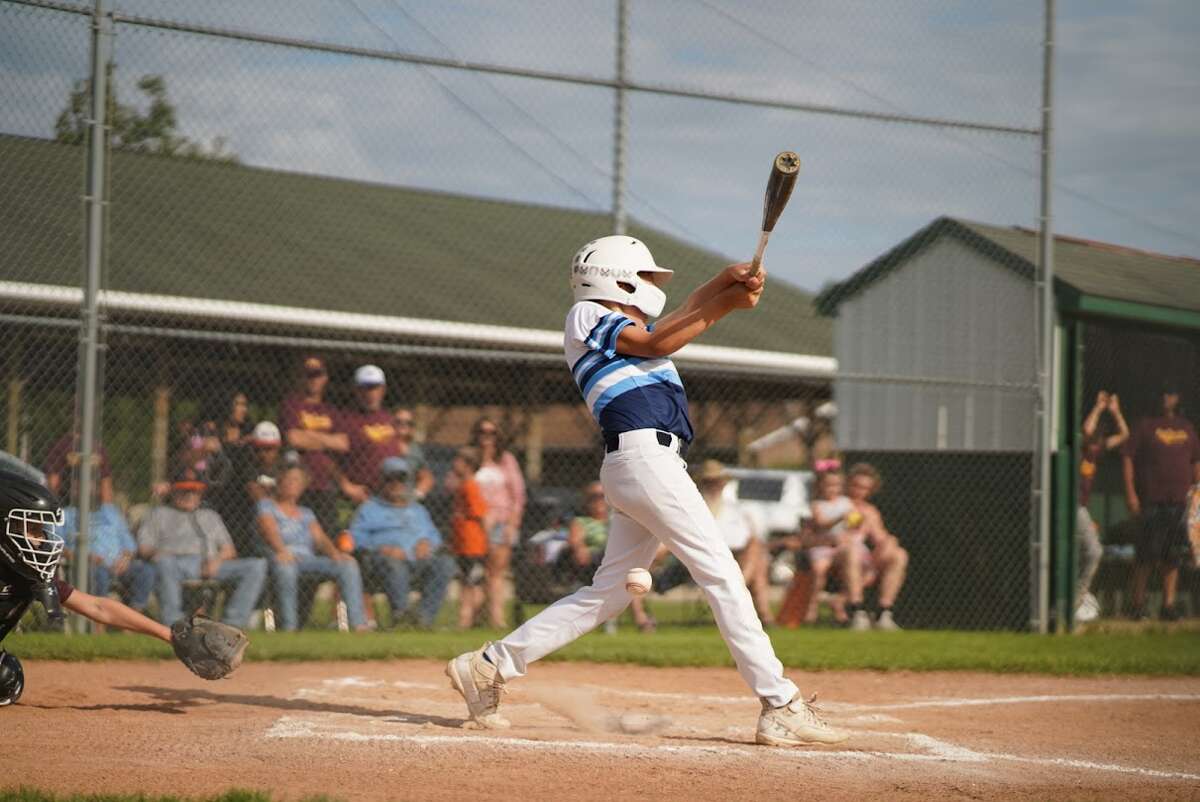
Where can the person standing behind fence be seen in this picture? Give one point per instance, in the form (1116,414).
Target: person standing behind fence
(1087,535)
(471,522)
(298,545)
(372,433)
(422,478)
(503,489)
(314,428)
(62,460)
(1160,463)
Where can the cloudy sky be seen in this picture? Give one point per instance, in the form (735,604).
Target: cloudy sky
(1127,92)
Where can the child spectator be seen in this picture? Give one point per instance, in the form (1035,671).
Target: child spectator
(587,537)
(836,542)
(888,563)
(471,523)
(1087,537)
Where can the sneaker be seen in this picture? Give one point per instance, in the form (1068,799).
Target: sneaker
(1088,609)
(480,684)
(886,622)
(796,724)
(1138,613)
(860,621)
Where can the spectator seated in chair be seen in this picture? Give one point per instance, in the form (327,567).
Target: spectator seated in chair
(888,563)
(112,553)
(188,542)
(397,546)
(298,546)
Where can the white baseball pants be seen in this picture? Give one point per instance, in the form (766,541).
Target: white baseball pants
(653,500)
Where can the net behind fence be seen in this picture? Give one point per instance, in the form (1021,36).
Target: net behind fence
(327,247)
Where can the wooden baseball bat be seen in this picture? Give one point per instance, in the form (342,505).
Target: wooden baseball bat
(784,170)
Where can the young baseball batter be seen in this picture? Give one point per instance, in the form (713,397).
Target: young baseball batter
(620,362)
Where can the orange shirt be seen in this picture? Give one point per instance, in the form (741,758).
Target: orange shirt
(469,508)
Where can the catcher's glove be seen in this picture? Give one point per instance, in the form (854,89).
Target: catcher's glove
(208,648)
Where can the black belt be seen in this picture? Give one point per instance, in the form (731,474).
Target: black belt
(612,442)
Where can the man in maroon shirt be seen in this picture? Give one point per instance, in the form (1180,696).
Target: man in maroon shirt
(314,428)
(63,459)
(372,433)
(1161,461)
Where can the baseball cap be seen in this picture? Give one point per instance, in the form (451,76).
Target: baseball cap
(188,479)
(394,467)
(314,366)
(711,470)
(266,434)
(369,376)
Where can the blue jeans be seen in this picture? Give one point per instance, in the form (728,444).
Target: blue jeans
(287,586)
(246,574)
(137,582)
(432,575)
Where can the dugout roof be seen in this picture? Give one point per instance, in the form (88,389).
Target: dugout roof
(240,244)
(1085,270)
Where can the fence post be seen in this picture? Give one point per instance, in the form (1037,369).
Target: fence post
(94,258)
(620,123)
(1040,562)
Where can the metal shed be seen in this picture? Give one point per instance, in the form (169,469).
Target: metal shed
(936,350)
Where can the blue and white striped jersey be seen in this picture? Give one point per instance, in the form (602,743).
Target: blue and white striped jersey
(623,392)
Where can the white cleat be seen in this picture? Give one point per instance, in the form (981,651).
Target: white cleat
(796,724)
(480,685)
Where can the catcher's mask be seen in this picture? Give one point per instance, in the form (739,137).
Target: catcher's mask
(12,679)
(31,515)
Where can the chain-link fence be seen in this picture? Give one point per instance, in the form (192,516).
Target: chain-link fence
(291,192)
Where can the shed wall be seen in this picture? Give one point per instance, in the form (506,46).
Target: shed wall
(938,355)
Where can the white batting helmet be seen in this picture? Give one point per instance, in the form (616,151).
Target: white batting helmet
(621,269)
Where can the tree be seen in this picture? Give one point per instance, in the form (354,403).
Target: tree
(155,131)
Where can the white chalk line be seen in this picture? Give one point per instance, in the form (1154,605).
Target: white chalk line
(939,751)
(919,704)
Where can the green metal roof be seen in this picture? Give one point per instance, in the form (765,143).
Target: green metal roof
(1081,266)
(200,229)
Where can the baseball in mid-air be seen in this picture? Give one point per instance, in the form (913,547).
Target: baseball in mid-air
(637,582)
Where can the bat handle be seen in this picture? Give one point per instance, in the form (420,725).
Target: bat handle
(756,262)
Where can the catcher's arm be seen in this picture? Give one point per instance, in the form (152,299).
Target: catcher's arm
(112,613)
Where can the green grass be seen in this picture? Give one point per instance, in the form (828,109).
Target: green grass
(1155,651)
(32,795)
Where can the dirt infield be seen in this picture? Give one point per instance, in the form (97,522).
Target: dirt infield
(367,731)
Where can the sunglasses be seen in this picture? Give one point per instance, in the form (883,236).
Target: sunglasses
(404,422)
(487,431)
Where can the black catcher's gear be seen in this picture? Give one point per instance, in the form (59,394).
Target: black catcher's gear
(12,679)
(30,515)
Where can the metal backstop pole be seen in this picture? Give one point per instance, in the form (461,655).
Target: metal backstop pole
(1046,324)
(620,121)
(94,254)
